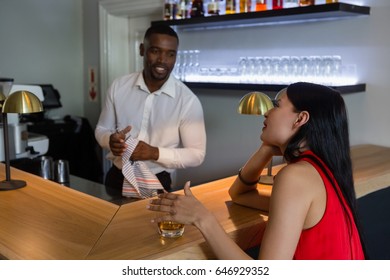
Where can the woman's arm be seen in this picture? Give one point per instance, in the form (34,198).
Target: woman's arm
(292,197)
(243,190)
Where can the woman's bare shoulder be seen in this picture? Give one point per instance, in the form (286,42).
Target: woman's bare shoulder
(300,174)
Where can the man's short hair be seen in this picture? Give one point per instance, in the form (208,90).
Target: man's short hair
(161,28)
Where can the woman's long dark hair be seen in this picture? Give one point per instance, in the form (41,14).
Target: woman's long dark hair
(326,134)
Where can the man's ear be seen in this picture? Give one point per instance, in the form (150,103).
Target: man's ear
(141,49)
(303,117)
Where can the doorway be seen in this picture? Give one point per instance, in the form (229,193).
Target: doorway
(122,25)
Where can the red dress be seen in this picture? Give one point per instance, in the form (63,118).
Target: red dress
(333,237)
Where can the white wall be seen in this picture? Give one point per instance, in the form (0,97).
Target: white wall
(90,37)
(41,42)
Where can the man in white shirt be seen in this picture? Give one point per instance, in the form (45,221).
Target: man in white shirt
(157,109)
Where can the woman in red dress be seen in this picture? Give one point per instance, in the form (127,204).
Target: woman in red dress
(312,210)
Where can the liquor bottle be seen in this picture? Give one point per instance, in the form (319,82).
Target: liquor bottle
(304,3)
(184,9)
(222,7)
(170,9)
(245,6)
(230,7)
(188,8)
(197,9)
(331,1)
(261,5)
(277,4)
(181,9)
(213,8)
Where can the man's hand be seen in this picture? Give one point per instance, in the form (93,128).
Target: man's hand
(117,141)
(144,151)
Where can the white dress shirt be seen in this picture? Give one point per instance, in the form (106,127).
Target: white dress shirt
(170,119)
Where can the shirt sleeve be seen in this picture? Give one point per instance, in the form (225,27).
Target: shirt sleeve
(193,137)
(106,123)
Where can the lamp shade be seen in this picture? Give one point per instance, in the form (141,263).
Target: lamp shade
(22,102)
(254,103)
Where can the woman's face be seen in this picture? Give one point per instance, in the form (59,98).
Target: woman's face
(280,122)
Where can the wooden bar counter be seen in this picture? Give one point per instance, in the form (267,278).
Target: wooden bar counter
(131,235)
(47,221)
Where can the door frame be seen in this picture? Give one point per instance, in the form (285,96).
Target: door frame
(117,54)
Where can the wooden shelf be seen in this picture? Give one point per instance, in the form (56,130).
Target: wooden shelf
(272,17)
(268,87)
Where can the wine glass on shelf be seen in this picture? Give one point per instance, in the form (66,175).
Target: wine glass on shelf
(242,69)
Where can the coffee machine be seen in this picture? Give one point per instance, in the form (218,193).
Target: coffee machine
(22,143)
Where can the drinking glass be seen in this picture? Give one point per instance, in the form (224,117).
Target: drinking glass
(169,229)
(285,70)
(275,70)
(267,69)
(305,66)
(316,68)
(295,62)
(242,69)
(252,69)
(176,69)
(183,68)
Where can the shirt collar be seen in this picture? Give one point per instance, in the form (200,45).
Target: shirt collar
(167,88)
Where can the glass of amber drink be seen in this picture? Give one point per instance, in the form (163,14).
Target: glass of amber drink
(170,229)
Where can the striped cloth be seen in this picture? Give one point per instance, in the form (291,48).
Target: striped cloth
(139,181)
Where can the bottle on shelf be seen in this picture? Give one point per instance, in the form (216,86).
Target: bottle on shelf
(180,14)
(230,7)
(170,9)
(197,9)
(277,4)
(304,3)
(261,5)
(222,7)
(188,8)
(331,1)
(183,9)
(213,8)
(290,3)
(245,6)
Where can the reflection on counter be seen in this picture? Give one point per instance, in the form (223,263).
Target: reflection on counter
(98,190)
(43,167)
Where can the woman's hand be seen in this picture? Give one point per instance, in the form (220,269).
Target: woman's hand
(273,150)
(185,209)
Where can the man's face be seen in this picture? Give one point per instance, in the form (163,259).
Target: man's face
(159,54)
